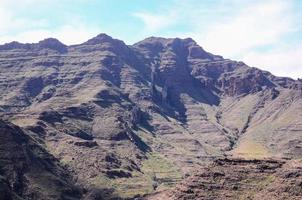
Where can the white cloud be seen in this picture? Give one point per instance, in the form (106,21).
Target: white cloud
(256,25)
(9,22)
(70,34)
(27,29)
(284,61)
(265,25)
(76,34)
(154,23)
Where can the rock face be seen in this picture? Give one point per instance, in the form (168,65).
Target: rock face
(240,179)
(149,112)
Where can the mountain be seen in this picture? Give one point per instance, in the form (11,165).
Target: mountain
(135,118)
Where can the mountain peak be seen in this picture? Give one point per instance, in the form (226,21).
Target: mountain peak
(50,41)
(182,46)
(53,43)
(101,38)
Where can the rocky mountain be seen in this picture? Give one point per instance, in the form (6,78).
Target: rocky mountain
(138,118)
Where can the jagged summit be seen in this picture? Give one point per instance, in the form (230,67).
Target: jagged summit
(183,46)
(55,44)
(164,40)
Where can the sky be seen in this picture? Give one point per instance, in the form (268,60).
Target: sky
(262,33)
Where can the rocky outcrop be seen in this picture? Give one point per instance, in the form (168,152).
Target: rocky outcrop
(250,81)
(240,179)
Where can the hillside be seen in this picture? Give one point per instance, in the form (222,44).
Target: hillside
(28,171)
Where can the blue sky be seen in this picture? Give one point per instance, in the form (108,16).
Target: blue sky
(263,33)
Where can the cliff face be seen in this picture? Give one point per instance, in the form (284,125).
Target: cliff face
(159,108)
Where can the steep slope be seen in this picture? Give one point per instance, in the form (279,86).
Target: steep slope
(27,171)
(220,100)
(141,117)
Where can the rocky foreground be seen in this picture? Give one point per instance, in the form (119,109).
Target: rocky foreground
(240,179)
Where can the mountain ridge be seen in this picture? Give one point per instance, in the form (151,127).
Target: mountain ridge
(102,37)
(149,113)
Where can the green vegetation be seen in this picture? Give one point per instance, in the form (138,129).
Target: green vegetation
(161,170)
(156,173)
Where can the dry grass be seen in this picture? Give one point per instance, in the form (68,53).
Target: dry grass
(249,148)
(22,122)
